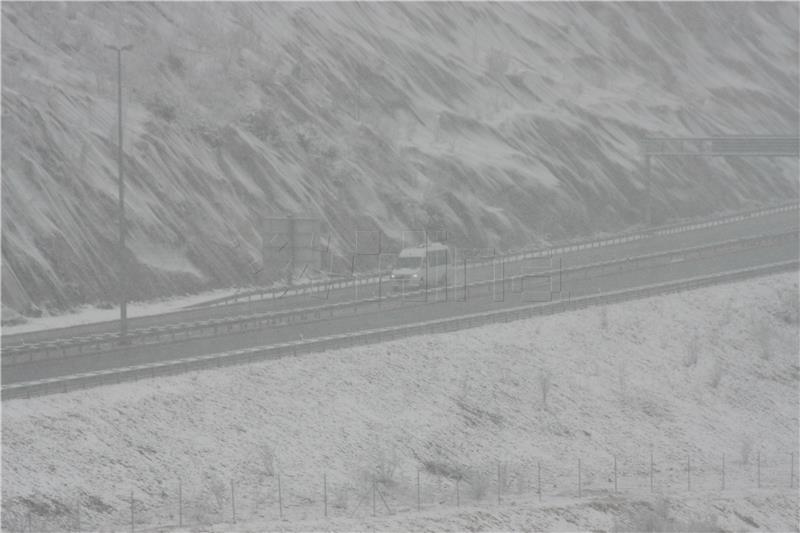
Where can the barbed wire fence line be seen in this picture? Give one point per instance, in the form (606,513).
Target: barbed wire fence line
(390,491)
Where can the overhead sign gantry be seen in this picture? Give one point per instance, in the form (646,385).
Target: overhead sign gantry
(716,146)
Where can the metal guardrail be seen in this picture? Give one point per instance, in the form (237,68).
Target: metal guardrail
(724,145)
(89,379)
(61,347)
(222,326)
(311,288)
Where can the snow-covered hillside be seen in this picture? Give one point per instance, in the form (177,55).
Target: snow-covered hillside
(499,123)
(697,375)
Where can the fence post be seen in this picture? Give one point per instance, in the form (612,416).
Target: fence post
(579,478)
(280,499)
(615,473)
(723,471)
(758,468)
(180,503)
(233,502)
(688,473)
(499,486)
(373,495)
(651,470)
(791,477)
(30,530)
(458,492)
(325,492)
(132,520)
(539,478)
(419,501)
(78,513)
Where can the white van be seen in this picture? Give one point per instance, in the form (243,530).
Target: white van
(422,266)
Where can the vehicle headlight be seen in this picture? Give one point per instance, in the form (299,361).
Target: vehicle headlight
(415,276)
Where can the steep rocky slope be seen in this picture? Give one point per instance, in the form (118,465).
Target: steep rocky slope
(500,123)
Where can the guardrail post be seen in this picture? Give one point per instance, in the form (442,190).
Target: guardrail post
(688,473)
(233,502)
(180,504)
(499,485)
(280,499)
(539,479)
(723,471)
(419,499)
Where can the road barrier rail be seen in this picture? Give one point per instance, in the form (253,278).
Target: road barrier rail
(249,355)
(77,346)
(323,287)
(266,293)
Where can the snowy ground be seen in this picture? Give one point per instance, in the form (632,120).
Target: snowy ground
(90,314)
(622,382)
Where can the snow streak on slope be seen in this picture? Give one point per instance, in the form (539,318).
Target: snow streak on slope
(500,123)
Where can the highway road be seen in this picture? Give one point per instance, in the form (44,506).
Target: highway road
(440,304)
(771,223)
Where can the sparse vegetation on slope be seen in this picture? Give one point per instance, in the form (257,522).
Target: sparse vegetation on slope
(503,124)
(463,411)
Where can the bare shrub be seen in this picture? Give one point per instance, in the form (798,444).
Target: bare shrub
(207,504)
(340,496)
(198,509)
(622,377)
(504,477)
(411,127)
(160,106)
(497,63)
(657,517)
(217,488)
(443,469)
(544,386)
(717,371)
(463,391)
(175,63)
(382,467)
(692,352)
(789,306)
(267,461)
(763,335)
(714,336)
(746,449)
(521,480)
(727,315)
(478,484)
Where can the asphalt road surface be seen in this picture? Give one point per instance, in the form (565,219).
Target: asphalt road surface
(439,304)
(772,223)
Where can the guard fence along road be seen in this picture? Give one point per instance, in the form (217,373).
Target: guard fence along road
(79,346)
(117,375)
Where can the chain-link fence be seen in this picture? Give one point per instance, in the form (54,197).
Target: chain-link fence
(387,490)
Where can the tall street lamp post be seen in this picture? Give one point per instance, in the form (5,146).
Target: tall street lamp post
(123,275)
